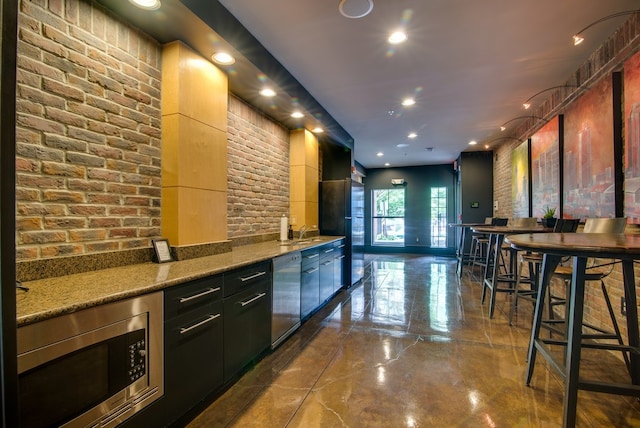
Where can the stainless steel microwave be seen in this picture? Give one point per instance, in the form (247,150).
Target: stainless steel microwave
(95,367)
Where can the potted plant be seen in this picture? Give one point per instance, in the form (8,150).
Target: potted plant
(549,217)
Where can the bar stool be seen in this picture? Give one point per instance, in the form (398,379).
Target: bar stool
(533,260)
(480,247)
(595,272)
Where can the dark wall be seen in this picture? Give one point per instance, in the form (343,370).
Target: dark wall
(336,161)
(419,180)
(475,174)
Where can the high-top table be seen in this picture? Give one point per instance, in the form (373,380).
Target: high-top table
(491,278)
(581,246)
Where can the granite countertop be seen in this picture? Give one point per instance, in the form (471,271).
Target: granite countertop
(51,297)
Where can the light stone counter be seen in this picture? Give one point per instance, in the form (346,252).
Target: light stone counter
(51,297)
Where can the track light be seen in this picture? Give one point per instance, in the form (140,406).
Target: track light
(579,38)
(527,103)
(503,127)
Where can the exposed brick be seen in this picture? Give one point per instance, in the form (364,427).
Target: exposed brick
(103,174)
(61,250)
(28,223)
(41,97)
(40,181)
(64,222)
(62,39)
(122,189)
(104,151)
(51,168)
(78,235)
(62,142)
(86,135)
(86,111)
(103,198)
(84,159)
(136,200)
(122,232)
(95,223)
(62,89)
(39,124)
(86,185)
(41,237)
(94,247)
(62,196)
(87,210)
(27,165)
(34,208)
(26,253)
(65,117)
(104,81)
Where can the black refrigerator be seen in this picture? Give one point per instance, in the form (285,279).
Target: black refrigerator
(342,214)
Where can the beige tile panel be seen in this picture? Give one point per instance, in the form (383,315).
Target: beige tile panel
(193,154)
(193,216)
(303,148)
(193,86)
(311,184)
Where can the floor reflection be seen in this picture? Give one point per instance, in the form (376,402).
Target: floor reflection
(410,346)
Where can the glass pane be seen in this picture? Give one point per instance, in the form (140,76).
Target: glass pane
(388,230)
(438,216)
(388,203)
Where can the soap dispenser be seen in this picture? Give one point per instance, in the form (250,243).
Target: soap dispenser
(290,232)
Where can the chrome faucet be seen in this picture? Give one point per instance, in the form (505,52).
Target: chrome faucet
(303,230)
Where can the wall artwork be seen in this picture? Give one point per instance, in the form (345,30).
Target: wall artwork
(520,180)
(545,168)
(588,154)
(632,139)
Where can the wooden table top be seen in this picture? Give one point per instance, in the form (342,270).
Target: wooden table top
(510,229)
(614,245)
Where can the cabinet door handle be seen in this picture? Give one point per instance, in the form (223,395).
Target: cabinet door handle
(341,246)
(259,296)
(311,270)
(312,256)
(199,295)
(341,257)
(328,251)
(200,324)
(250,277)
(327,263)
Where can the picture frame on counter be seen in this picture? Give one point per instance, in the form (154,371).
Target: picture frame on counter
(162,250)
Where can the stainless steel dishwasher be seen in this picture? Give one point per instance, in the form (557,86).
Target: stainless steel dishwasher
(285,309)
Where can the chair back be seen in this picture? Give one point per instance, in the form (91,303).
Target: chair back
(498,221)
(566,225)
(523,222)
(605,225)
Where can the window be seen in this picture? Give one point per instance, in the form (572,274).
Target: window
(439,217)
(388,217)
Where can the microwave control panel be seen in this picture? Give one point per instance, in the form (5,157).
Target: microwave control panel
(137,355)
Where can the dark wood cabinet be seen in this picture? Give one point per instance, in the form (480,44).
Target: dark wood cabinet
(309,282)
(247,310)
(193,344)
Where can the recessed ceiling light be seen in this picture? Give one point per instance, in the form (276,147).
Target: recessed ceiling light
(223,58)
(402,145)
(397,37)
(387,164)
(486,146)
(502,128)
(317,130)
(297,114)
(146,4)
(412,135)
(379,154)
(268,92)
(355,8)
(408,102)
(473,143)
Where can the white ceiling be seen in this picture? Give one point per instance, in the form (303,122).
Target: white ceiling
(469,63)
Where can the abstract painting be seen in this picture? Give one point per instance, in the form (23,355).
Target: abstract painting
(545,168)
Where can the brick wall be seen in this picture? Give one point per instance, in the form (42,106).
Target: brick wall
(88,132)
(258,171)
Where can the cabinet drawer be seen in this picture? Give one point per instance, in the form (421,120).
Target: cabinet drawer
(247,328)
(193,358)
(310,257)
(240,279)
(327,252)
(195,294)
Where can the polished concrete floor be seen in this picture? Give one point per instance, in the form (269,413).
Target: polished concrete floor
(412,346)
